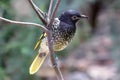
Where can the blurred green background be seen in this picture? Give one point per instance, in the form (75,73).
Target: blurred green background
(95,48)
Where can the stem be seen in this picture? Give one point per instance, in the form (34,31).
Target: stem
(39,12)
(54,11)
(23,23)
(44,19)
(50,42)
(50,8)
(51,51)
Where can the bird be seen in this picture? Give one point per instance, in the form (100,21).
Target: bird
(63,30)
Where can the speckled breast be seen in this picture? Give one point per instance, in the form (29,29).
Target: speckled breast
(62,35)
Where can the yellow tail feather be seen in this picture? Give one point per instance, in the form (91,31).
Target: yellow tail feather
(37,63)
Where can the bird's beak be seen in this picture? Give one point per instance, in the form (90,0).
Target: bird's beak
(83,16)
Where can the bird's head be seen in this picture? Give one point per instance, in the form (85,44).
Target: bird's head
(71,16)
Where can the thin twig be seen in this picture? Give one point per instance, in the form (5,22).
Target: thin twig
(54,11)
(39,12)
(50,8)
(23,23)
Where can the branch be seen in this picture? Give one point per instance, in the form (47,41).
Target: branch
(50,8)
(23,23)
(54,11)
(43,17)
(53,60)
(50,42)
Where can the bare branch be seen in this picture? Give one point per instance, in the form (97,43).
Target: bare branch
(50,42)
(50,8)
(23,23)
(43,17)
(55,10)
(60,73)
(54,63)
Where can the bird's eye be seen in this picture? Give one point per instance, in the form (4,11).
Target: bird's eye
(74,17)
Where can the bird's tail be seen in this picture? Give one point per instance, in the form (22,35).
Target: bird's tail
(38,61)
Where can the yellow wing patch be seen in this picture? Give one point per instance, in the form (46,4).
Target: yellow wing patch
(39,41)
